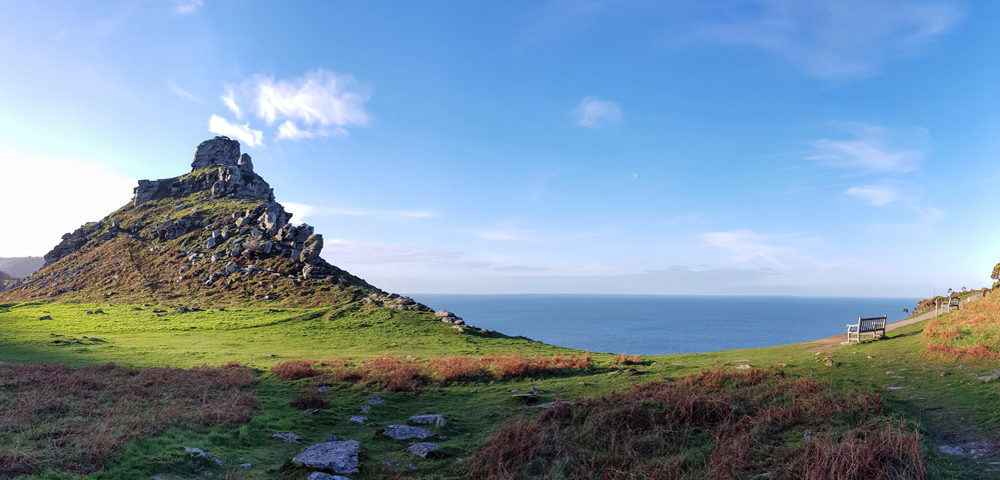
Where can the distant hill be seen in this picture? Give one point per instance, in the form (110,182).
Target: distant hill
(5,277)
(20,267)
(212,237)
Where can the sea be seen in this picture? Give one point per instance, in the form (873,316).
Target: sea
(665,324)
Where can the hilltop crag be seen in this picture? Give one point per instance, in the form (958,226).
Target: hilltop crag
(215,235)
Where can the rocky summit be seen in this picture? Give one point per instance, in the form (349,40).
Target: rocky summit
(215,236)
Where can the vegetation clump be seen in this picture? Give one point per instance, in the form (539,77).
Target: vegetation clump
(715,424)
(68,421)
(973,331)
(398,374)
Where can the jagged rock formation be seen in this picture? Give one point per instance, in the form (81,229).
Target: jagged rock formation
(215,233)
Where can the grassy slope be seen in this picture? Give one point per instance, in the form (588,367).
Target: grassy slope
(956,404)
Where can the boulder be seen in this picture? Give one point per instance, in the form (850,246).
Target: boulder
(406,432)
(375,400)
(311,249)
(217,151)
(245,163)
(325,476)
(421,449)
(435,419)
(336,456)
(288,437)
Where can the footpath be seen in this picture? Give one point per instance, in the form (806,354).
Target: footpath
(836,339)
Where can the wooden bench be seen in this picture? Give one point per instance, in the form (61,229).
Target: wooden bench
(954,304)
(873,325)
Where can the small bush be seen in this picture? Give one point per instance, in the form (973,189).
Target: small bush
(458,367)
(294,369)
(398,375)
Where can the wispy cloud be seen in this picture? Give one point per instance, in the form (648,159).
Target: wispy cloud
(595,113)
(875,194)
(243,133)
(176,90)
(870,147)
(317,104)
(783,251)
(303,211)
(187,7)
(290,131)
(229,100)
(840,39)
(744,245)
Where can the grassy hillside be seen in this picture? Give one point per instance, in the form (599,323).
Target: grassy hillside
(942,397)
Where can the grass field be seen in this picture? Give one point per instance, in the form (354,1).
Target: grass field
(940,395)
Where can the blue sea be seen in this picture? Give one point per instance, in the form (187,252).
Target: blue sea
(654,324)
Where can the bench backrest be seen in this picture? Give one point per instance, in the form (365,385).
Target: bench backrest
(871,324)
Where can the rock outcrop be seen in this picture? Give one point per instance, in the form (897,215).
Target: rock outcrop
(215,233)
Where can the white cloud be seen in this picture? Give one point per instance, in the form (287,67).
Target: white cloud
(187,7)
(243,133)
(318,104)
(302,210)
(874,194)
(744,245)
(290,131)
(176,90)
(595,113)
(845,38)
(229,99)
(75,191)
(316,99)
(870,147)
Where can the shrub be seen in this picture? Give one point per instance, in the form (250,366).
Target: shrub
(717,424)
(294,369)
(397,374)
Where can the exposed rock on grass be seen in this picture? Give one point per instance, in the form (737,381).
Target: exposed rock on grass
(337,456)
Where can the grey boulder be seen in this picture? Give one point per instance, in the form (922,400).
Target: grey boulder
(406,432)
(435,419)
(337,457)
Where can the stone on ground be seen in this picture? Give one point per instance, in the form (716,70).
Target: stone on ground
(337,457)
(435,419)
(421,449)
(406,432)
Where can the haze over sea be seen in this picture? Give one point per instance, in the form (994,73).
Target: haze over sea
(664,324)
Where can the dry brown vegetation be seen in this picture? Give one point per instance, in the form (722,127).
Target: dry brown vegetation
(972,331)
(55,417)
(406,373)
(717,424)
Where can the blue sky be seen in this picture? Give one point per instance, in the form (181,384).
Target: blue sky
(742,147)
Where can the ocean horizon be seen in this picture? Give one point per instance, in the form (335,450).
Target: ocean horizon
(665,324)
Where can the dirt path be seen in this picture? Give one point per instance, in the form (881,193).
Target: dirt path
(836,339)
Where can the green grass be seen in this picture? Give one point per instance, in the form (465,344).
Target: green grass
(133,335)
(954,404)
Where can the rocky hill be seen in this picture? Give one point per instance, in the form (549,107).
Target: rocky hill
(212,237)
